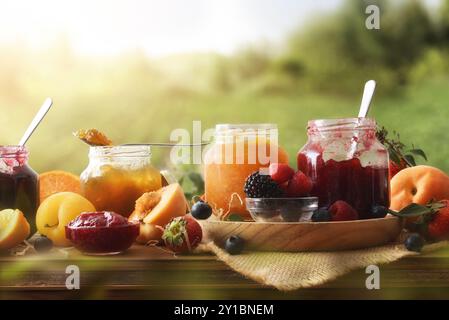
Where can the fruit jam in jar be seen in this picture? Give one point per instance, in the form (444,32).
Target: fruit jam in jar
(19,184)
(117,176)
(238,151)
(346,162)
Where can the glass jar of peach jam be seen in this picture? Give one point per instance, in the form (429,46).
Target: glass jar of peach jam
(237,151)
(117,176)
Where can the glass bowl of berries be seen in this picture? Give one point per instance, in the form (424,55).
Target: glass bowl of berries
(282,209)
(279,195)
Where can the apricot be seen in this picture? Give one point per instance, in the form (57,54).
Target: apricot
(155,209)
(57,211)
(420,185)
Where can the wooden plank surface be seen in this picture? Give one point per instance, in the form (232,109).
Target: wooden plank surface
(306,236)
(151,273)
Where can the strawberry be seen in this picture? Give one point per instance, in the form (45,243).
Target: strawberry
(299,185)
(342,211)
(438,226)
(182,234)
(280,172)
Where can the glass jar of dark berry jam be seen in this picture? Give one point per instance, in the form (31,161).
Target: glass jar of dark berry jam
(346,162)
(19,184)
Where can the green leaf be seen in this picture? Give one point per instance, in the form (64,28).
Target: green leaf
(410,160)
(419,152)
(198,181)
(234,217)
(412,210)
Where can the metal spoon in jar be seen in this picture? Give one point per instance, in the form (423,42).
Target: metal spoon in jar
(95,138)
(37,119)
(368,93)
(168,144)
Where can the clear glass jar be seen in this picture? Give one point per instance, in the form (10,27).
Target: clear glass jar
(117,176)
(346,162)
(19,184)
(238,150)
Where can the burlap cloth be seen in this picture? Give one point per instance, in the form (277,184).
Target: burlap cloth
(291,271)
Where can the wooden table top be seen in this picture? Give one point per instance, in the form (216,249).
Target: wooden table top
(151,273)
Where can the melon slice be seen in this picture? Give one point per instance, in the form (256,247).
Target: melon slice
(157,208)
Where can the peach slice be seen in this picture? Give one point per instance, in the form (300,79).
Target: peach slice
(14,228)
(155,209)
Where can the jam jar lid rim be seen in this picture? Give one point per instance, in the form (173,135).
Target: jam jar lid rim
(13,150)
(332,124)
(221,127)
(121,151)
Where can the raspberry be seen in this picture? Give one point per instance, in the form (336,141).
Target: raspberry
(299,185)
(280,172)
(342,211)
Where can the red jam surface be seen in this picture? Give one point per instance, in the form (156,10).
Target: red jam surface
(362,187)
(101,232)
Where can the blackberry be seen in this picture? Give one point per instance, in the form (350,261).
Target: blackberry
(262,186)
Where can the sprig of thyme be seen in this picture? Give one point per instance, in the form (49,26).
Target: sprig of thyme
(397,150)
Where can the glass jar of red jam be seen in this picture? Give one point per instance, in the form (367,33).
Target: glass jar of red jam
(19,184)
(346,162)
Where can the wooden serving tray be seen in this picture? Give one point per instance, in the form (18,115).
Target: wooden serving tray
(306,236)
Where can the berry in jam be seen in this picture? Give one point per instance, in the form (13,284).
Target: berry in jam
(101,233)
(19,186)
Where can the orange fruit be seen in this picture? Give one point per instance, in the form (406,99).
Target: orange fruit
(420,185)
(56,181)
(14,228)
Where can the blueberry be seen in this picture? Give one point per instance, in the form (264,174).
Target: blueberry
(414,242)
(379,211)
(321,215)
(201,210)
(234,245)
(43,244)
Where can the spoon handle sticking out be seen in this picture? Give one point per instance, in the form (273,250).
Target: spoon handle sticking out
(168,144)
(37,119)
(368,93)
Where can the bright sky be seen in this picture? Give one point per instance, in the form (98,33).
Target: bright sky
(101,27)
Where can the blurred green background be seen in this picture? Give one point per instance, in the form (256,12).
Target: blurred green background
(316,70)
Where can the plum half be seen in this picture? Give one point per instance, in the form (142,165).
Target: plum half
(101,233)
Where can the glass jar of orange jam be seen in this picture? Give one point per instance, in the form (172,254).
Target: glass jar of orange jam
(117,176)
(238,150)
